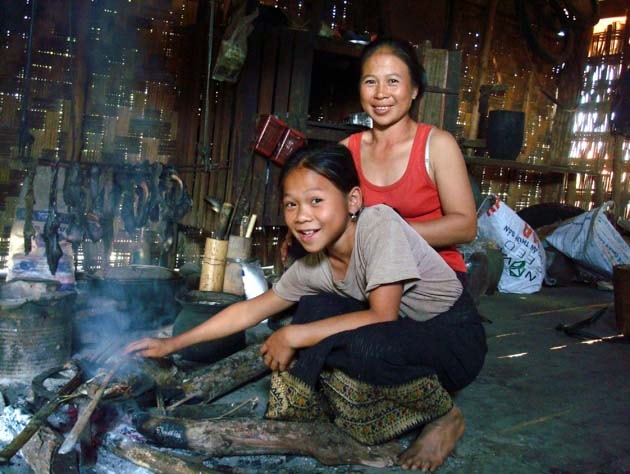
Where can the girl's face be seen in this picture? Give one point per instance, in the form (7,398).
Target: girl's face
(386,89)
(316,211)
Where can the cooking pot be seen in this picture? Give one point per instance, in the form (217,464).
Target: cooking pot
(197,307)
(146,293)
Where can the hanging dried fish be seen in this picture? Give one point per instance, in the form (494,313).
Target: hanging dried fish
(74,197)
(29,200)
(175,203)
(152,207)
(51,227)
(94,217)
(111,202)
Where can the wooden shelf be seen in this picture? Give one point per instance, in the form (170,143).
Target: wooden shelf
(332,132)
(338,46)
(543,169)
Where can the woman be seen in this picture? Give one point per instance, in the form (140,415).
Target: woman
(400,332)
(415,168)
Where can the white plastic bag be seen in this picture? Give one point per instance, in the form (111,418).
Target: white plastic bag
(592,241)
(523,253)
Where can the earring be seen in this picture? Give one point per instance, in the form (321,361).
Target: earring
(354,216)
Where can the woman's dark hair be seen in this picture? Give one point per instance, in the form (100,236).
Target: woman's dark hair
(403,51)
(333,162)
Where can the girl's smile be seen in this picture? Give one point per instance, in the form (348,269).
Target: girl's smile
(316,211)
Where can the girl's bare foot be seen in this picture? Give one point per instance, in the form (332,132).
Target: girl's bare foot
(436,441)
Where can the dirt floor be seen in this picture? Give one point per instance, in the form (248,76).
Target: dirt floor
(544,402)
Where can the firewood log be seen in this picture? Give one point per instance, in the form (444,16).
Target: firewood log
(225,375)
(41,453)
(242,437)
(156,461)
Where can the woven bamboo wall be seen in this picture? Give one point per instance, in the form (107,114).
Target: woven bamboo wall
(510,65)
(124,68)
(593,147)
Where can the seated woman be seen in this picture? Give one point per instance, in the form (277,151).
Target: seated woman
(396,332)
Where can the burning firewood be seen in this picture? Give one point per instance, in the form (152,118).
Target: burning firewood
(322,441)
(84,417)
(40,417)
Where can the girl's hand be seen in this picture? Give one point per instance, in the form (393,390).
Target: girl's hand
(277,351)
(150,347)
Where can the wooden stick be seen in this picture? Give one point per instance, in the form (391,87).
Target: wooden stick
(250,225)
(155,460)
(39,418)
(84,417)
(242,437)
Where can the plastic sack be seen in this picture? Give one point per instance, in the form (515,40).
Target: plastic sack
(523,253)
(591,241)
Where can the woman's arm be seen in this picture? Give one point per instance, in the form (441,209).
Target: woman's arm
(234,318)
(279,349)
(449,173)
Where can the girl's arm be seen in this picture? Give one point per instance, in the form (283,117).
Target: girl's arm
(279,348)
(234,318)
(449,173)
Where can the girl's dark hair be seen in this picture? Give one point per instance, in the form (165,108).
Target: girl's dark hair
(333,162)
(405,52)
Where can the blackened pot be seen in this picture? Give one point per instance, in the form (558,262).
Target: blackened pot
(197,307)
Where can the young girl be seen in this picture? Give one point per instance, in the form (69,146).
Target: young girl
(380,356)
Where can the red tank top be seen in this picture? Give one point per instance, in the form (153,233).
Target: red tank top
(414,196)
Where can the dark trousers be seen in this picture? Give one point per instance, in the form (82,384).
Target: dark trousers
(451,345)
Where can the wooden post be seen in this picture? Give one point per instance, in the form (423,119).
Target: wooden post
(473,131)
(618,170)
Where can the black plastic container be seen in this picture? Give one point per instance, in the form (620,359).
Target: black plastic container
(506,130)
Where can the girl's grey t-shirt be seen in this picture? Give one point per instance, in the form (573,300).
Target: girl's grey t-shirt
(387,250)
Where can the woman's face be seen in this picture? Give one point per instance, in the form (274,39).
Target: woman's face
(386,89)
(315,210)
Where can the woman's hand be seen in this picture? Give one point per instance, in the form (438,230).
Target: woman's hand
(150,347)
(277,351)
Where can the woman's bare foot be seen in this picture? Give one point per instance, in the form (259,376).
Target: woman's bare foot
(436,441)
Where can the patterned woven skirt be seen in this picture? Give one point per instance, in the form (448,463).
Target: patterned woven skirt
(382,380)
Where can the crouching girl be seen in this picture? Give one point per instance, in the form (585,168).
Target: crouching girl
(383,331)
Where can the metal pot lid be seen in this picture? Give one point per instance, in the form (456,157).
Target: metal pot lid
(137,272)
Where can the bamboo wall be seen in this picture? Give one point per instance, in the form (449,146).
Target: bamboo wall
(111,83)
